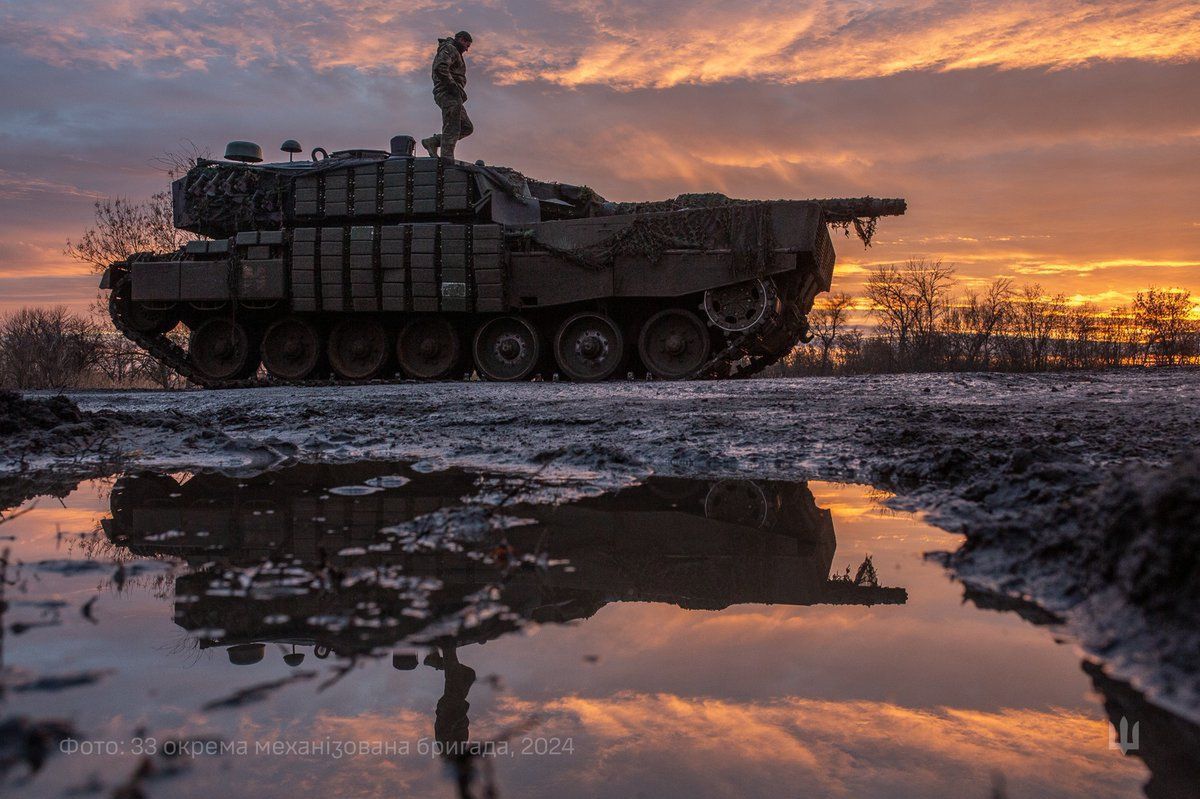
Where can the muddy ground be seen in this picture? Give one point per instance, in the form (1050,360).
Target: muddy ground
(1077,492)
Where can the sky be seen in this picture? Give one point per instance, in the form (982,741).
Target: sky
(1049,142)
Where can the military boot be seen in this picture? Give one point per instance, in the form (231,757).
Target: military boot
(431,145)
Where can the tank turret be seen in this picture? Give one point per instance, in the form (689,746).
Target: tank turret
(365,264)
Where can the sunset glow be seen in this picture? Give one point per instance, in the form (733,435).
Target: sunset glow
(1049,143)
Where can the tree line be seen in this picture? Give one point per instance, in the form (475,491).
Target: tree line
(54,347)
(922,322)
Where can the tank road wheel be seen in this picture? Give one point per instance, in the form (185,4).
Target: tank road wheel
(358,349)
(221,349)
(428,348)
(507,348)
(291,349)
(740,306)
(589,347)
(674,343)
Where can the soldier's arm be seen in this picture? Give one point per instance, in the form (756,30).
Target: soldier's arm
(441,68)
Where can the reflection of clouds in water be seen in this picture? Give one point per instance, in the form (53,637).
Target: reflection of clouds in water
(349,776)
(644,741)
(850,503)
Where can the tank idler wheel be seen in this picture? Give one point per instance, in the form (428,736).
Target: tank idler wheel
(429,348)
(589,347)
(221,349)
(737,502)
(291,349)
(358,349)
(674,343)
(507,348)
(740,306)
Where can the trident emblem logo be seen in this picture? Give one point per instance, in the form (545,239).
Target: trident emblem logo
(1126,739)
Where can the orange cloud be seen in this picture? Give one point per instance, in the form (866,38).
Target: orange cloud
(777,42)
(626,46)
(850,748)
(18,186)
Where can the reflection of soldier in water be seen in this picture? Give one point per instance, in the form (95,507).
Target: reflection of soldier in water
(451,725)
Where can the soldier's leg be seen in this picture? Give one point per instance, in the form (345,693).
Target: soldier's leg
(465,126)
(451,127)
(432,143)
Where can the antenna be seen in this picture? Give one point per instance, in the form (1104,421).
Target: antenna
(291,147)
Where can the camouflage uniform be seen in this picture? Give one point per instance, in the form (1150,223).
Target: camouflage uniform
(449,92)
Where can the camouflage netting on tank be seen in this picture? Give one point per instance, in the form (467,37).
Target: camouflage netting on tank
(842,214)
(743,229)
(218,202)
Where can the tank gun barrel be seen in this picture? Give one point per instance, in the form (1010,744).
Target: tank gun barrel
(847,209)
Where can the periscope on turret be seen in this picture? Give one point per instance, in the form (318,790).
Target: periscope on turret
(358,265)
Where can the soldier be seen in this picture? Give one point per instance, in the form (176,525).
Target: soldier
(449,85)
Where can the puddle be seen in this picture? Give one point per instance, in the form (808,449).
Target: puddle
(372,629)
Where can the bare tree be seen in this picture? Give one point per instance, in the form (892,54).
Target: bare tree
(1080,336)
(909,303)
(977,319)
(1036,319)
(929,283)
(1021,329)
(850,346)
(123,228)
(826,322)
(1119,337)
(48,348)
(1163,316)
(891,303)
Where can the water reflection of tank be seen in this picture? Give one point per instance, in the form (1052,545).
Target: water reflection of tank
(289,543)
(725,542)
(278,558)
(284,513)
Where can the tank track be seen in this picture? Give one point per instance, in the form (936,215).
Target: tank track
(747,354)
(744,355)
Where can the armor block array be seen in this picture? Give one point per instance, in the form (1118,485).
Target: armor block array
(249,267)
(404,267)
(392,187)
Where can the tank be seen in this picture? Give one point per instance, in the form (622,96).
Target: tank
(361,265)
